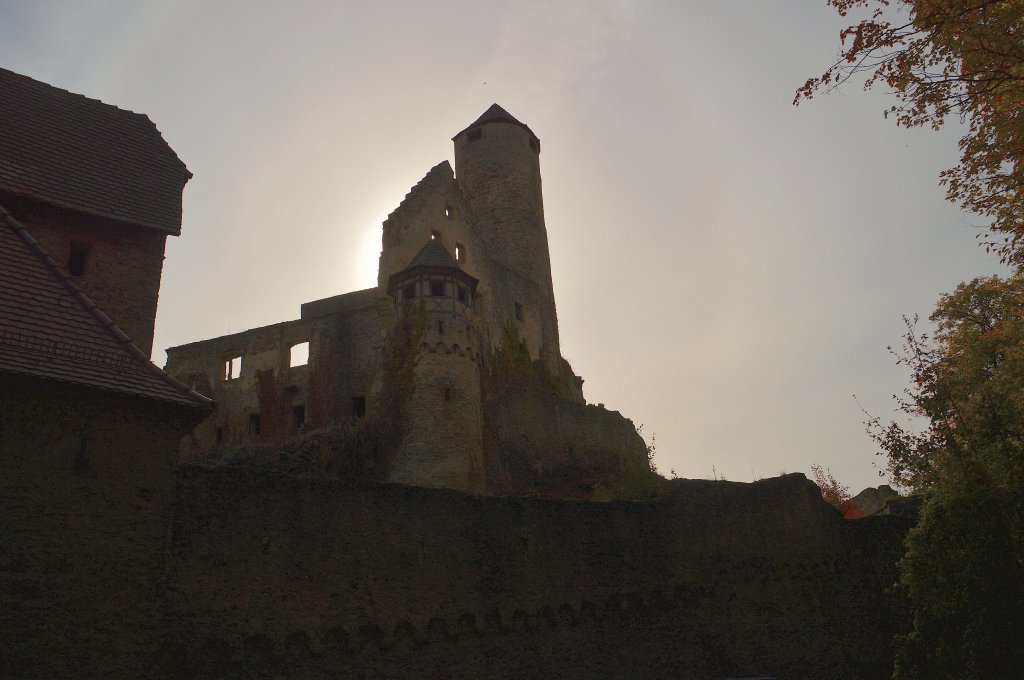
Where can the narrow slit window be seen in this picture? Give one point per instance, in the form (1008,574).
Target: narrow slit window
(299,416)
(358,407)
(449,211)
(233,368)
(78,257)
(437,288)
(460,252)
(299,354)
(446,393)
(219,435)
(461,294)
(254,424)
(440,327)
(519,312)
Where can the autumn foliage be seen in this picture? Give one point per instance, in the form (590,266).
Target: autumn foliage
(834,493)
(943,58)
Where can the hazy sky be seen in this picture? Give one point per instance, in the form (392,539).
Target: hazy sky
(728,269)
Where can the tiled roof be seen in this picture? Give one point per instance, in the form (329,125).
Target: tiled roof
(50,329)
(79,153)
(496,114)
(434,254)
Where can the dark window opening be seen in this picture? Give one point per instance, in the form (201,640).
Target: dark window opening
(437,288)
(409,291)
(218,435)
(475,134)
(254,424)
(80,463)
(460,252)
(358,407)
(449,211)
(519,312)
(461,293)
(299,416)
(446,392)
(440,327)
(435,235)
(78,256)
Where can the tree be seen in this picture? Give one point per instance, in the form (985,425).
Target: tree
(963,571)
(946,57)
(834,493)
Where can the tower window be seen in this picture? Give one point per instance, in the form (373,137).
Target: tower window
(409,291)
(437,288)
(299,354)
(435,235)
(460,252)
(519,312)
(358,407)
(233,368)
(446,393)
(78,256)
(449,211)
(254,424)
(218,435)
(440,327)
(299,416)
(475,134)
(461,293)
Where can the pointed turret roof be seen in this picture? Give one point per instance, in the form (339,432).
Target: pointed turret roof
(496,114)
(432,256)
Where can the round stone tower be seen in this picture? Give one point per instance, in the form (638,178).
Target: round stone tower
(497,168)
(442,444)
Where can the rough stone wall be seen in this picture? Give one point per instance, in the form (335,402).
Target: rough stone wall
(266,387)
(271,577)
(86,480)
(122,270)
(537,442)
(442,445)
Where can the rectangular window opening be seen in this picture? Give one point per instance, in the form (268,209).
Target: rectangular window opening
(299,416)
(440,327)
(299,354)
(460,252)
(437,288)
(254,424)
(409,291)
(358,407)
(519,312)
(449,211)
(233,368)
(461,293)
(218,435)
(78,257)
(446,393)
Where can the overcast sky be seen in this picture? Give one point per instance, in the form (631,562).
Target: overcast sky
(728,269)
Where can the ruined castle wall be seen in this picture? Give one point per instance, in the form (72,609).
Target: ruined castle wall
(436,207)
(536,440)
(122,263)
(271,576)
(86,479)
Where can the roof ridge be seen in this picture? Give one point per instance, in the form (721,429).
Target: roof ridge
(90,307)
(73,94)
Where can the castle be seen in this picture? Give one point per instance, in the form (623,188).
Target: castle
(119,561)
(464,275)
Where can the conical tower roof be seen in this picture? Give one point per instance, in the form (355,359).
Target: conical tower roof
(432,257)
(496,114)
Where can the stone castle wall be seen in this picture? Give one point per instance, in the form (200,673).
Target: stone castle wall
(269,577)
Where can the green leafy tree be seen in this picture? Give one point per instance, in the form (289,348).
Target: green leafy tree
(964,567)
(942,58)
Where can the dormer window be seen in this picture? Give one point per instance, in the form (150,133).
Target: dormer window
(437,288)
(78,256)
(461,294)
(409,291)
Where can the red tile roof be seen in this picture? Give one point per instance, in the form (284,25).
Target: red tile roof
(50,329)
(79,153)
